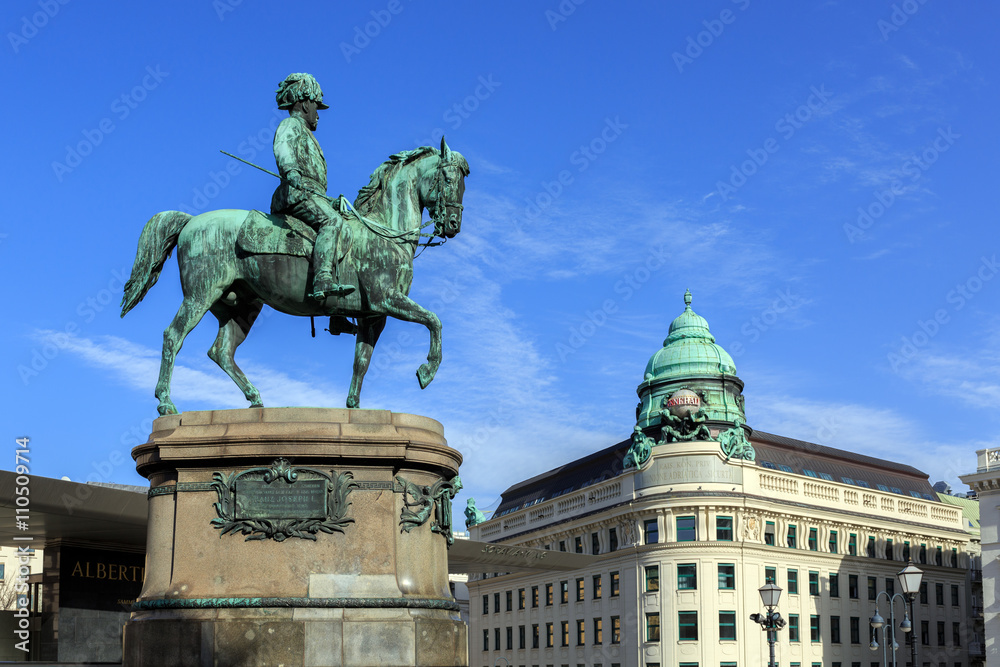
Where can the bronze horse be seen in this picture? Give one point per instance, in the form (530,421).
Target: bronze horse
(218,276)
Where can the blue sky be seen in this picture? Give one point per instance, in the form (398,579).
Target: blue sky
(818,174)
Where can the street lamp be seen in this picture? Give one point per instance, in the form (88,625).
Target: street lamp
(909,580)
(771,622)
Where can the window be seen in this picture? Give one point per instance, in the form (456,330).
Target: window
(510,600)
(954,557)
(534,635)
(852,544)
(548,595)
(813,546)
(510,638)
(793,627)
(724,528)
(871,546)
(834,585)
(653,627)
(616,630)
(890,586)
(652,578)
(925,633)
(650,531)
(596,591)
(956,634)
(793,581)
(889,555)
(563,592)
(923,554)
(578,544)
(486,604)
(814,583)
(686,530)
(496,603)
(835,629)
(856,630)
(687,576)
(791,537)
(852,586)
(564,627)
(520,598)
(937,556)
(940,633)
(770,575)
(615,584)
(562,545)
(814,628)
(906,551)
(595,544)
(534,597)
(581,632)
(769,533)
(939,594)
(486,640)
(612,539)
(872,588)
(496,639)
(833,541)
(923,592)
(727,625)
(727,576)
(688,625)
(579,590)
(549,635)
(954,595)
(598,630)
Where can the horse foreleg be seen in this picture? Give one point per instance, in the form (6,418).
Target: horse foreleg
(402,307)
(369,329)
(187,317)
(234,325)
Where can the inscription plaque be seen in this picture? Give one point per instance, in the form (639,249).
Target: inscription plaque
(303,499)
(281,502)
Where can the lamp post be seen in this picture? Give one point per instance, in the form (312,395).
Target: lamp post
(909,580)
(770,622)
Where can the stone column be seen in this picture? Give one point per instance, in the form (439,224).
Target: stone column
(299,536)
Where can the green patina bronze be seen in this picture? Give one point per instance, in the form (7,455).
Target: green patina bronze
(281,502)
(313,256)
(435,499)
(735,444)
(473,516)
(288,602)
(639,452)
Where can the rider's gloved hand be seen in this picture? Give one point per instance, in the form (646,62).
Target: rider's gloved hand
(294,179)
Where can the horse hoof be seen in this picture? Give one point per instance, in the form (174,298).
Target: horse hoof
(166,409)
(425,375)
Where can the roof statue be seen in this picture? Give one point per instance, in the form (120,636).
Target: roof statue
(313,256)
(473,515)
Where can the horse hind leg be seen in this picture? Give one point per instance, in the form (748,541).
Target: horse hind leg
(188,315)
(369,330)
(234,325)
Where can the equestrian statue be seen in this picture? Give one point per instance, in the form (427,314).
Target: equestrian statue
(313,256)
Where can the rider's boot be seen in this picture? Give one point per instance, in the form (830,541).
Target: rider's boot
(324,258)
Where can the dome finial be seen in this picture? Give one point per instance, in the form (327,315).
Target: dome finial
(687,299)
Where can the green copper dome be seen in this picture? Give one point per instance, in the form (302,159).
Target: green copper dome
(689,350)
(691,361)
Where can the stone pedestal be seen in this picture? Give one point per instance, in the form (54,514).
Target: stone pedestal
(371,591)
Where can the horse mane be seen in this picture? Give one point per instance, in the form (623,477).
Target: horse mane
(369,200)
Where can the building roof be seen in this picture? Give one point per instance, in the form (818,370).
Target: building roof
(969,507)
(773,451)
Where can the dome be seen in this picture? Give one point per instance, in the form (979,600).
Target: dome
(689,350)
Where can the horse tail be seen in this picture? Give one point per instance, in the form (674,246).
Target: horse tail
(157,240)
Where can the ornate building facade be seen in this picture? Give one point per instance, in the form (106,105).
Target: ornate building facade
(693,514)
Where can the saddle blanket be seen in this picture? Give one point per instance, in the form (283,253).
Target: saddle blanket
(263,234)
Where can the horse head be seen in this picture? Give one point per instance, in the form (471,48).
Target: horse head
(445,188)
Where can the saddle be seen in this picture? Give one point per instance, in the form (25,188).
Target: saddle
(263,234)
